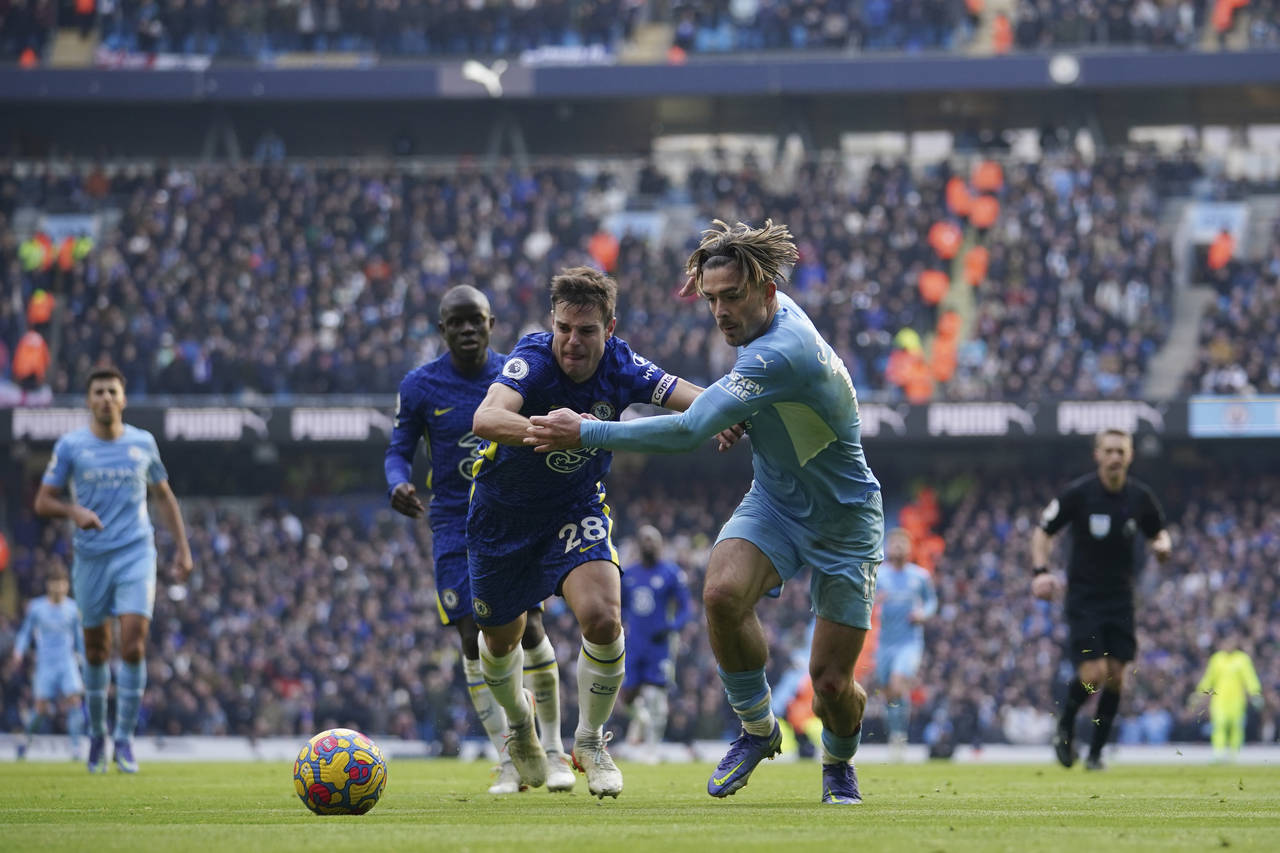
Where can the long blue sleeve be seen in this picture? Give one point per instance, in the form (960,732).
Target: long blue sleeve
(712,411)
(408,429)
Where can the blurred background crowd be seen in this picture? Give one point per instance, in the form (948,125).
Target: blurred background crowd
(1050,278)
(309,614)
(262,29)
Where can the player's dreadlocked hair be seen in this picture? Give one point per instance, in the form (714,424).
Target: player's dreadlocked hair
(759,253)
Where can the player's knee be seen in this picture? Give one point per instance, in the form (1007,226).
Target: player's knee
(833,684)
(601,626)
(133,652)
(724,602)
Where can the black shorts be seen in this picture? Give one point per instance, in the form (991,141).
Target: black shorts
(1101,633)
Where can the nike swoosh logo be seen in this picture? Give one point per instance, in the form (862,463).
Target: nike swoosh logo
(585,548)
(439,412)
(722,779)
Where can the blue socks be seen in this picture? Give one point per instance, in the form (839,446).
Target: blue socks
(897,715)
(75,727)
(836,749)
(749,696)
(96,679)
(132,682)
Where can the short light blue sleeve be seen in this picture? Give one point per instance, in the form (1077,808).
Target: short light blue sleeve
(156,472)
(59,469)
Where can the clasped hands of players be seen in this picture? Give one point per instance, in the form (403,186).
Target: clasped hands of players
(561,429)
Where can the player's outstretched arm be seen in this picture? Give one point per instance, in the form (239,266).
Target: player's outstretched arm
(49,504)
(172,515)
(710,414)
(498,417)
(682,397)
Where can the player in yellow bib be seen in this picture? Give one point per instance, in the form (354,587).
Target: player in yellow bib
(1229,682)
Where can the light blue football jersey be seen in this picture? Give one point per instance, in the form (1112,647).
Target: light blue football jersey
(801,410)
(901,592)
(55,628)
(110,478)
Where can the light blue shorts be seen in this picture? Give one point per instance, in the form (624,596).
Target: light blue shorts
(842,583)
(52,682)
(116,582)
(898,659)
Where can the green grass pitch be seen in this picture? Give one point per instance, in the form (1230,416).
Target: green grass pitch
(441,806)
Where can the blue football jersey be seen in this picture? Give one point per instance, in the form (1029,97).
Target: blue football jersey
(517,476)
(437,404)
(901,592)
(655,599)
(55,628)
(110,478)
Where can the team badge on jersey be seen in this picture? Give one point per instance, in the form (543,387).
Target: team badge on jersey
(1099,525)
(482,610)
(602,410)
(516,368)
(450,598)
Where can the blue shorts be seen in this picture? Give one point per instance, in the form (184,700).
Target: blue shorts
(898,659)
(518,558)
(52,682)
(453,583)
(116,582)
(843,565)
(647,664)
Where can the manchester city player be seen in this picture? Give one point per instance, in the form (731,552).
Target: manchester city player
(436,403)
(53,624)
(538,523)
(907,600)
(814,501)
(109,469)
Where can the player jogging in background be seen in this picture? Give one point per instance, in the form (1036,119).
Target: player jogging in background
(436,404)
(813,503)
(109,468)
(53,624)
(655,605)
(1107,512)
(538,523)
(1230,682)
(907,600)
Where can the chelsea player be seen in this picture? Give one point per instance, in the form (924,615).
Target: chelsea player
(655,605)
(109,469)
(53,623)
(538,523)
(907,600)
(814,501)
(436,403)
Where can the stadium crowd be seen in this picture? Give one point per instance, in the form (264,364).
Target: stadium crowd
(308,614)
(297,279)
(1239,351)
(249,29)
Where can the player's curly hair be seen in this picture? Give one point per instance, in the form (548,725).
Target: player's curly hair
(584,287)
(759,253)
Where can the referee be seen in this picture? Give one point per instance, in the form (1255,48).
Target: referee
(1105,511)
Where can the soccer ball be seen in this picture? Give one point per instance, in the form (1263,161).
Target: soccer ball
(339,771)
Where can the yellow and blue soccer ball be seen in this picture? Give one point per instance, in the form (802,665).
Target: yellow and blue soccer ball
(340,771)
